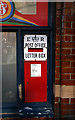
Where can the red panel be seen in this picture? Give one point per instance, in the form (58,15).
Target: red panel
(35,87)
(41,16)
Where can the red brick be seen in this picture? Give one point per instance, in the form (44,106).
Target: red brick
(56,111)
(72,64)
(58,5)
(57,31)
(67,112)
(57,69)
(73,51)
(58,18)
(57,63)
(68,4)
(69,31)
(68,44)
(57,44)
(57,57)
(67,70)
(73,25)
(56,99)
(65,51)
(72,76)
(67,11)
(57,82)
(65,100)
(68,57)
(72,100)
(64,112)
(66,38)
(58,13)
(65,76)
(67,25)
(65,64)
(73,38)
(57,75)
(56,105)
(69,18)
(66,106)
(67,82)
(58,24)
(73,11)
(58,37)
(57,51)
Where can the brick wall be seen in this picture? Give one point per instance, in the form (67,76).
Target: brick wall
(65,61)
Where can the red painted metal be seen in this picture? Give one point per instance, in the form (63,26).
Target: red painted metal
(35,87)
(41,16)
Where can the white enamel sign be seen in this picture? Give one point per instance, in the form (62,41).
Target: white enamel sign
(35,70)
(35,41)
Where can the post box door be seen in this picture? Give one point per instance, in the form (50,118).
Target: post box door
(35,68)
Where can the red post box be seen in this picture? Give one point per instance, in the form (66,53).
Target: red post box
(35,68)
